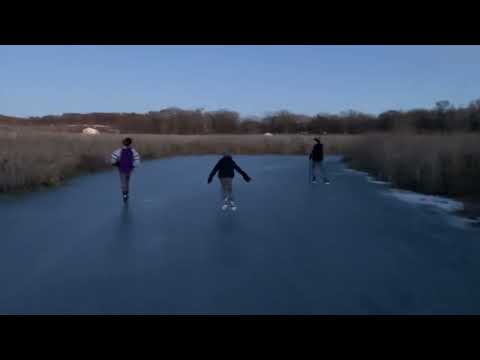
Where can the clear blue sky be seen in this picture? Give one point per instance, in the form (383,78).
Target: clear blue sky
(253,80)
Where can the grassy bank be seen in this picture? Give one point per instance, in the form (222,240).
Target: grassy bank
(29,159)
(433,164)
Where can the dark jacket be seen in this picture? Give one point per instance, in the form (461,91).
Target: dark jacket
(317,153)
(225,168)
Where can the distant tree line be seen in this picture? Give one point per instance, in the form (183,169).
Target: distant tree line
(443,117)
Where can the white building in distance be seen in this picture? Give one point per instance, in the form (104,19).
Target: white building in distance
(90,131)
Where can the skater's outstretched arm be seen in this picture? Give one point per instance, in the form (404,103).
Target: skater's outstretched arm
(214,171)
(243,173)
(115,157)
(136,158)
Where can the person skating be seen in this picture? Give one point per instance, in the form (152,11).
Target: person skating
(226,168)
(126,159)
(316,159)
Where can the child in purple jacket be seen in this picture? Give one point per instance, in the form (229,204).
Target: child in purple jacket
(126,159)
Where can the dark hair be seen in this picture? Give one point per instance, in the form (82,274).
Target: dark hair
(127,141)
(317,140)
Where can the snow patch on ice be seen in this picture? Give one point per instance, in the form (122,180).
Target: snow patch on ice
(356,172)
(472,222)
(414,198)
(374,181)
(464,223)
(370,179)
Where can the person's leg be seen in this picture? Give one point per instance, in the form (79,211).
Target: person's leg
(223,182)
(314,170)
(123,182)
(230,189)
(324,172)
(127,181)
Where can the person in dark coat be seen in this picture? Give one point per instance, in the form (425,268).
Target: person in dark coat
(226,168)
(316,158)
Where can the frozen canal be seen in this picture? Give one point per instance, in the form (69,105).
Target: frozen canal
(291,248)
